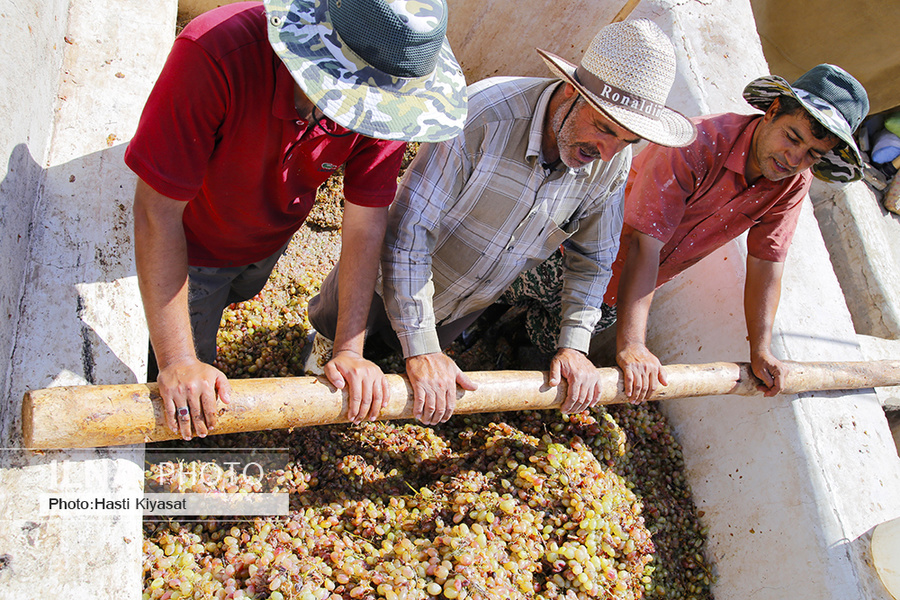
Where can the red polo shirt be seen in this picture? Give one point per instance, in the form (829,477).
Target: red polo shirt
(696,199)
(220,131)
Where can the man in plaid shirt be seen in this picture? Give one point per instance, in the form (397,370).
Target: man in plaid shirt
(540,163)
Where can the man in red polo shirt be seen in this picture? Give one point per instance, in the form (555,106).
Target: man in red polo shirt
(257,105)
(743,173)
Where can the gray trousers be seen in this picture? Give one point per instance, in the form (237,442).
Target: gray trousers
(323,314)
(210,290)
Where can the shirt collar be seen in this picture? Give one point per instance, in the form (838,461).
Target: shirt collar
(740,152)
(283,104)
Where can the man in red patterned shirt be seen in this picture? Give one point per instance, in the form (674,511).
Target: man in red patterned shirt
(743,173)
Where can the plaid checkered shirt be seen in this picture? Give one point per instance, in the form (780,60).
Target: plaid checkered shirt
(475,211)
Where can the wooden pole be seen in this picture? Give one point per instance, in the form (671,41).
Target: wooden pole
(625,11)
(111,415)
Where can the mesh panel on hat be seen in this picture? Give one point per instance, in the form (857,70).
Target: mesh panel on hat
(838,88)
(381,37)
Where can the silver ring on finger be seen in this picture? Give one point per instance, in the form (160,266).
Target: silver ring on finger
(184,414)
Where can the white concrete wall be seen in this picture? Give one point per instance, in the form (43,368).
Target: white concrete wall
(33,33)
(489,39)
(790,486)
(863,241)
(71,90)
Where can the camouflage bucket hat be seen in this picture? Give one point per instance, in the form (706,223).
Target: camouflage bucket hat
(382,68)
(833,98)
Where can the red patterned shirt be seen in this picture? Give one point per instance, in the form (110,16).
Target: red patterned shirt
(696,199)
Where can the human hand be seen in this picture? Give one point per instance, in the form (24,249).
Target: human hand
(582,376)
(642,372)
(368,389)
(191,387)
(434,378)
(770,371)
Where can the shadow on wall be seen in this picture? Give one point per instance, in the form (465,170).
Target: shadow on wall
(78,317)
(19,185)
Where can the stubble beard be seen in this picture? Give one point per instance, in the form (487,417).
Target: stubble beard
(566,138)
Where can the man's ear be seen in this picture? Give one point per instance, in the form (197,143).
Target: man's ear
(569,91)
(771,111)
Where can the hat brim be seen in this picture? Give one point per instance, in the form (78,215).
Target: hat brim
(671,128)
(356,95)
(844,162)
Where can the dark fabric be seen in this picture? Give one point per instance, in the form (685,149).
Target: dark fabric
(380,37)
(539,291)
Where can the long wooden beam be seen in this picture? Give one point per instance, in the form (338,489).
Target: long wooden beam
(110,415)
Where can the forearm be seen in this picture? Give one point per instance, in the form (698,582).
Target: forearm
(636,289)
(161,262)
(362,234)
(583,283)
(762,293)
(407,295)
(431,187)
(407,288)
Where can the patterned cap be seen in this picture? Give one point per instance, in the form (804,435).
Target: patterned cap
(833,98)
(626,74)
(382,68)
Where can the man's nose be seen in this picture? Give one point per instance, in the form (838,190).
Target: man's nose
(794,156)
(610,147)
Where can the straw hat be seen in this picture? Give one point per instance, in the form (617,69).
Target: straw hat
(626,74)
(382,68)
(836,100)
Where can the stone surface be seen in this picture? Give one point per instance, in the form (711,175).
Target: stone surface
(26,109)
(863,241)
(875,348)
(73,313)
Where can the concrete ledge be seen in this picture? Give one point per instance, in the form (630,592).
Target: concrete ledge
(788,485)
(875,348)
(862,241)
(78,316)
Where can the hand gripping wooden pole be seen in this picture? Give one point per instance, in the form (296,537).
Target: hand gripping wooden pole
(110,415)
